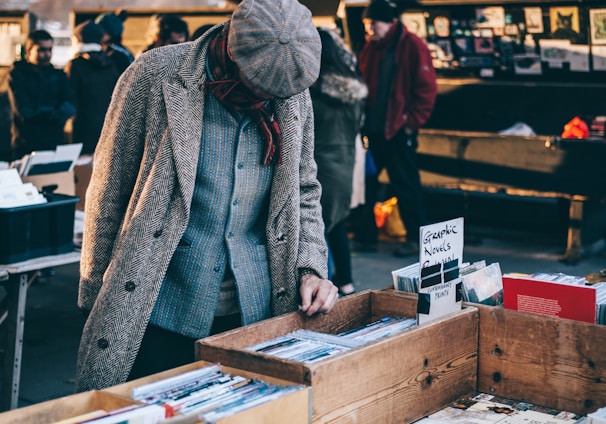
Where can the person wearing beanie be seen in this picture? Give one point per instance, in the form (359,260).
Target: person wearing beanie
(397,67)
(113,25)
(203,210)
(93,75)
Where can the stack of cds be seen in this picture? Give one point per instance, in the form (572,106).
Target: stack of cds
(407,278)
(311,346)
(385,327)
(208,393)
(600,302)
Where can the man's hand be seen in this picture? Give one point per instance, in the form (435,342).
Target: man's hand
(317,295)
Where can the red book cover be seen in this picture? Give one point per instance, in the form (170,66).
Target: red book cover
(551,298)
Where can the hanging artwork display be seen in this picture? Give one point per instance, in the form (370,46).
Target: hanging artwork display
(415,23)
(490,17)
(597,21)
(564,22)
(533,17)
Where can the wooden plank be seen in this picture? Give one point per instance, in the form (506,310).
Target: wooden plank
(292,408)
(66,407)
(396,379)
(548,361)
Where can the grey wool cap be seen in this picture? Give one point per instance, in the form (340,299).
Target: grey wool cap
(275,45)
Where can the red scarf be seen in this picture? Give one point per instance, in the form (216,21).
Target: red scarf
(232,93)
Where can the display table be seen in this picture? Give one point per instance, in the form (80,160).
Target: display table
(16,278)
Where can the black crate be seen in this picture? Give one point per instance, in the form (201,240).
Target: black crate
(37,230)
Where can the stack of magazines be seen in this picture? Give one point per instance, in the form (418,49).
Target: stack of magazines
(407,278)
(575,280)
(208,393)
(482,283)
(311,346)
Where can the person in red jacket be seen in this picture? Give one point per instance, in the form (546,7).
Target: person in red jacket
(398,70)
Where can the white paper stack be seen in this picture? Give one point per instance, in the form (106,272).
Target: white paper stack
(13,193)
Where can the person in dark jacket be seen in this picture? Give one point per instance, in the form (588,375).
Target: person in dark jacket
(93,75)
(338,100)
(40,96)
(113,25)
(397,67)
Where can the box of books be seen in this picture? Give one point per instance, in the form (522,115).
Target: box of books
(210,392)
(71,409)
(366,361)
(550,361)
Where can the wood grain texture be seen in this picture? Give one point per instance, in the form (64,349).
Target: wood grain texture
(398,379)
(548,361)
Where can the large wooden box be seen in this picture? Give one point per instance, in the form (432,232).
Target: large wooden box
(397,379)
(554,362)
(66,407)
(292,408)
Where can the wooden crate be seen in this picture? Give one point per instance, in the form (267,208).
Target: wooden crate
(554,362)
(66,407)
(398,379)
(293,408)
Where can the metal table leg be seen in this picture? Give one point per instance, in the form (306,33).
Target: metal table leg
(13,340)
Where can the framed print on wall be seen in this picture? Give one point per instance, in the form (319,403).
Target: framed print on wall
(597,20)
(564,22)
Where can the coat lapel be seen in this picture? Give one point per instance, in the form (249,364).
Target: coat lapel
(289,121)
(184,114)
(184,99)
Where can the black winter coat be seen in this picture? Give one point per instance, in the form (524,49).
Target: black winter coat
(93,76)
(41,102)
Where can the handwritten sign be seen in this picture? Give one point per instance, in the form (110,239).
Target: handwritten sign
(440,256)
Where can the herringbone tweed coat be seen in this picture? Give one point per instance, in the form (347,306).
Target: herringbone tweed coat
(138,204)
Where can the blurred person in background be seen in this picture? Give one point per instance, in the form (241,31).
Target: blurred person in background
(40,96)
(397,67)
(164,30)
(113,25)
(338,100)
(92,75)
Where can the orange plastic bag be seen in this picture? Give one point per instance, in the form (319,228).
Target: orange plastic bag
(576,128)
(387,218)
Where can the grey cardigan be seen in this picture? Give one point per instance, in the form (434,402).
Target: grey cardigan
(138,204)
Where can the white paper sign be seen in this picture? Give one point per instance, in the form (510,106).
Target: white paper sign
(440,256)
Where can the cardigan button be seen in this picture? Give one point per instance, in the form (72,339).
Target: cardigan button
(281,292)
(158,233)
(130,286)
(103,343)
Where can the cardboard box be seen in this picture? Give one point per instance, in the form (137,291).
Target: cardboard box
(66,407)
(400,378)
(63,180)
(292,408)
(549,361)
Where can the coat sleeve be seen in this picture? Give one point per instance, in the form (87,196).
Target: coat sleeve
(116,165)
(424,88)
(313,253)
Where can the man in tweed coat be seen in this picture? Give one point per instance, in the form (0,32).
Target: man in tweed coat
(203,209)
